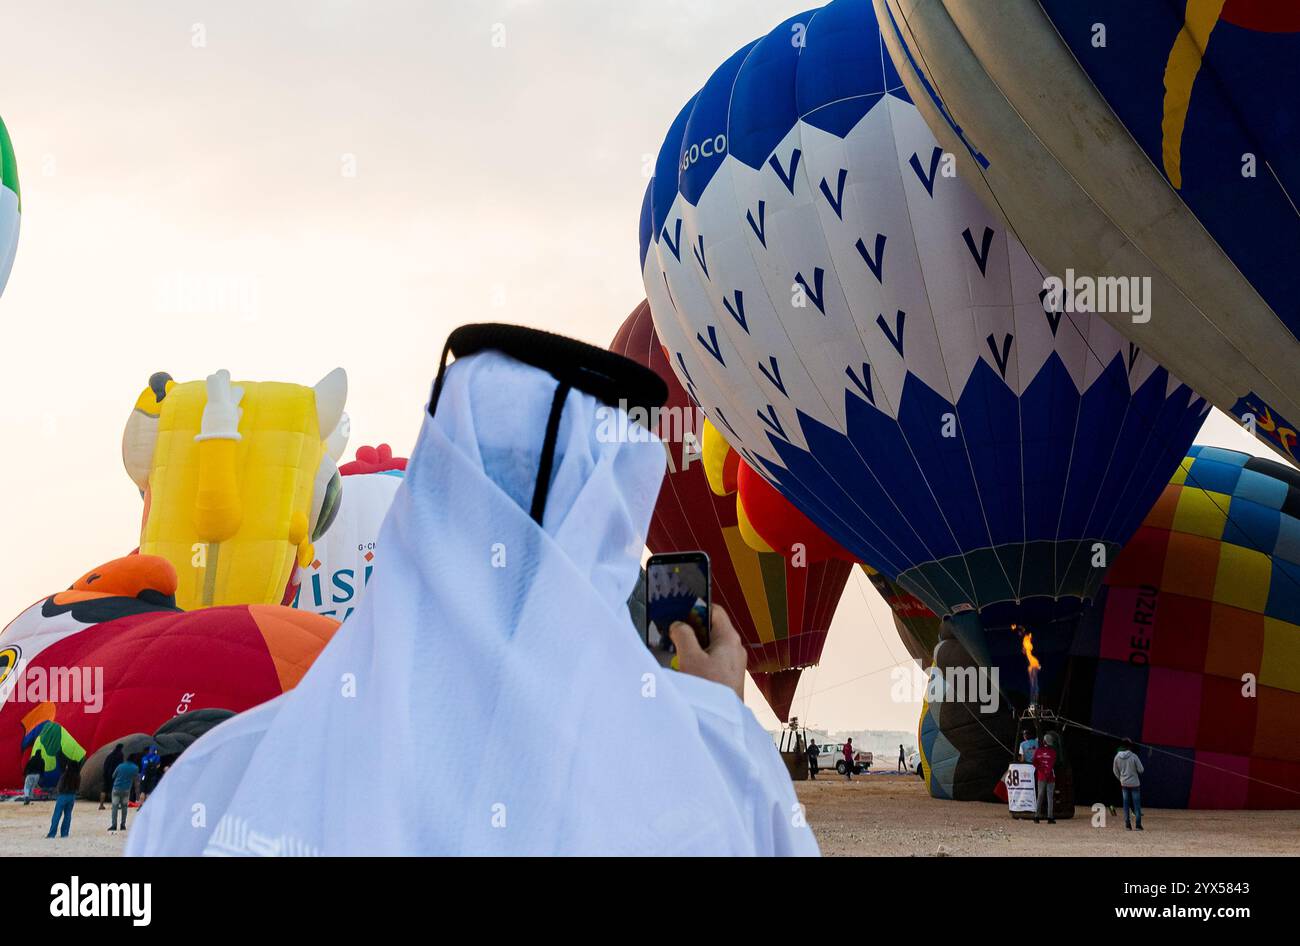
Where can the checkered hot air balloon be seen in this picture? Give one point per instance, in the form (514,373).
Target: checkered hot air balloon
(1193,649)
(876,344)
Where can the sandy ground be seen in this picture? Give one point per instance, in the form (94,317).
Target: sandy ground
(893,814)
(872,815)
(23,830)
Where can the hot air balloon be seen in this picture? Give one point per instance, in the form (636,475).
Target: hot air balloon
(782,612)
(238,479)
(875,344)
(1193,648)
(114,656)
(345,558)
(1155,141)
(11,205)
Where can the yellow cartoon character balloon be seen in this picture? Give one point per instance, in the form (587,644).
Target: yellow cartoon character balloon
(238,479)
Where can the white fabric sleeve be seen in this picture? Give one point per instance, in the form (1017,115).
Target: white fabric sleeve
(751,767)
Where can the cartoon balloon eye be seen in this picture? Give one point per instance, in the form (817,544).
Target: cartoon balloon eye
(9,658)
(329,508)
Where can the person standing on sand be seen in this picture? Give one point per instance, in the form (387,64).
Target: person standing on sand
(115,758)
(848,760)
(32,777)
(150,772)
(902,759)
(123,778)
(1045,778)
(1128,769)
(813,753)
(66,792)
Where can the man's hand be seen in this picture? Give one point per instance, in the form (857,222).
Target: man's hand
(723,662)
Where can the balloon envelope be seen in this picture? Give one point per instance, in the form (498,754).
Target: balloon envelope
(782,612)
(875,343)
(1205,597)
(10,205)
(138,662)
(235,516)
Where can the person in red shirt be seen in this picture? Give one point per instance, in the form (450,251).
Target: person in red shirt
(848,760)
(1045,777)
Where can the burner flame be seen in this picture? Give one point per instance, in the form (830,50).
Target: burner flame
(1027,646)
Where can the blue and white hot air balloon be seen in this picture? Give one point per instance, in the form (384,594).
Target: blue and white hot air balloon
(872,339)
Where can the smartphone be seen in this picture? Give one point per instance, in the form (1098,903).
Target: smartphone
(677,589)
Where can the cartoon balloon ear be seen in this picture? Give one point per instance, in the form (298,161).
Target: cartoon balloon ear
(141,432)
(337,440)
(331,395)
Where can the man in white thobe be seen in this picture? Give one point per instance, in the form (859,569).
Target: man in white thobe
(489,695)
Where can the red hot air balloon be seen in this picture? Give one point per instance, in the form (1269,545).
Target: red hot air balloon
(782,610)
(113,655)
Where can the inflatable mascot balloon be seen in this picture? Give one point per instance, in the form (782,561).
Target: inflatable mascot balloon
(238,479)
(133,660)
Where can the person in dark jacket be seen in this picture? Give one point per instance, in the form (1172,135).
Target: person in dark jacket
(66,797)
(150,772)
(813,753)
(115,758)
(32,777)
(848,760)
(902,759)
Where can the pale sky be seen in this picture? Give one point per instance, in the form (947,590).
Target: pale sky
(280,188)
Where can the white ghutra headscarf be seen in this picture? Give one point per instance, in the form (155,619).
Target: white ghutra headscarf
(489,695)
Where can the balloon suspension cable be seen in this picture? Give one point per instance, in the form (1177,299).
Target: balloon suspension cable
(1182,758)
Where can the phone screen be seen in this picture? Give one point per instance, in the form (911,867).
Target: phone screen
(677,589)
